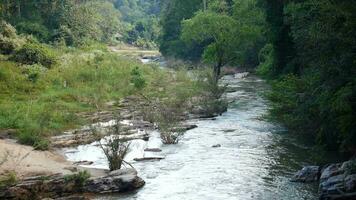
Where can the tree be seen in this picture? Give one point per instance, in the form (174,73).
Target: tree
(172,14)
(223,33)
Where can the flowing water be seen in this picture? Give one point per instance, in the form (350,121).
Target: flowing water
(255,161)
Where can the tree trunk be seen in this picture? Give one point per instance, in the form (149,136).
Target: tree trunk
(204,5)
(217,72)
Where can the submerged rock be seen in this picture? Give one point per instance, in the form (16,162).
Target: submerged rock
(148,159)
(83,162)
(307,174)
(153,149)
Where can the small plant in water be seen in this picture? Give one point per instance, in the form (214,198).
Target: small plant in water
(115,147)
(168,117)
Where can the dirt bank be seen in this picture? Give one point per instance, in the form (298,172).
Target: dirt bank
(25,161)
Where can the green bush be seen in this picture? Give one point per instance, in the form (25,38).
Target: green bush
(9,40)
(31,137)
(285,101)
(7,30)
(34,71)
(137,79)
(266,61)
(32,28)
(35,53)
(79,179)
(8,179)
(7,45)
(31,133)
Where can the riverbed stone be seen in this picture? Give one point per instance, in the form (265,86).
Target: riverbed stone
(153,149)
(331,170)
(57,185)
(307,174)
(337,181)
(350,183)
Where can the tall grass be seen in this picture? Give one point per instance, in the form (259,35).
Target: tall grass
(82,81)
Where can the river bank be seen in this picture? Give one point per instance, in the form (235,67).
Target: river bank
(244,155)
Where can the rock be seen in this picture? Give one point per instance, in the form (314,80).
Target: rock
(120,172)
(229,130)
(153,149)
(329,171)
(57,185)
(307,174)
(86,136)
(7,133)
(73,197)
(115,182)
(72,169)
(216,146)
(350,183)
(148,159)
(333,183)
(84,162)
(110,103)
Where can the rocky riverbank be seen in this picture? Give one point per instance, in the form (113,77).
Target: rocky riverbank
(336,181)
(59,185)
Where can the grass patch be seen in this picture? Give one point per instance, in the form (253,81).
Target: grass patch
(41,103)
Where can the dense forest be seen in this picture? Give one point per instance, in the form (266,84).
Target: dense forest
(76,22)
(306,48)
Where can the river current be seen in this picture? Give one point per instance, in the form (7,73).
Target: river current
(255,161)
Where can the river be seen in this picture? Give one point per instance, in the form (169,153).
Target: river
(255,161)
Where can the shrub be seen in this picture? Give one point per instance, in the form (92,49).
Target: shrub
(115,148)
(35,29)
(31,136)
(211,102)
(137,79)
(7,30)
(79,179)
(35,53)
(266,61)
(167,117)
(8,179)
(34,71)
(9,40)
(7,45)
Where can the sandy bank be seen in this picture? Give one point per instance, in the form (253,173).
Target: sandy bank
(25,161)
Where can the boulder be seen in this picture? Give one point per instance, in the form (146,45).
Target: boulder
(216,146)
(350,183)
(307,174)
(116,182)
(330,170)
(338,181)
